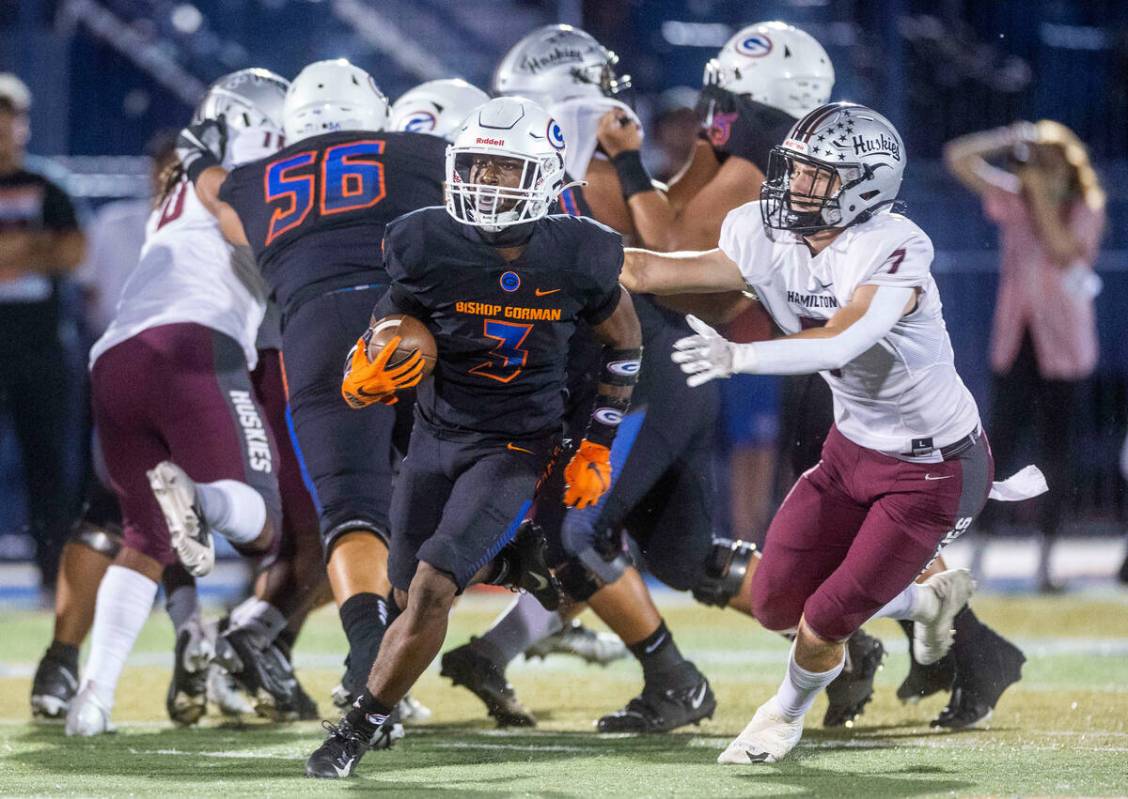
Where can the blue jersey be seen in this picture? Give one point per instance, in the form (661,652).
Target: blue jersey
(314,213)
(502,327)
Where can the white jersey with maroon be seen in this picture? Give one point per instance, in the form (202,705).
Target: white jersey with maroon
(188,273)
(903,389)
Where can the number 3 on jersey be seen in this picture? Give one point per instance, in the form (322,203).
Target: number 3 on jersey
(507,359)
(351,178)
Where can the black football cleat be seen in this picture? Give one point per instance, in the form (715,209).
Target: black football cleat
(262,671)
(965,710)
(187,697)
(923,681)
(53,688)
(852,690)
(664,708)
(525,566)
(984,671)
(474,671)
(338,755)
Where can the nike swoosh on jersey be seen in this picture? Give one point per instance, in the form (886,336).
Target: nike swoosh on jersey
(514,448)
(545,292)
(938,476)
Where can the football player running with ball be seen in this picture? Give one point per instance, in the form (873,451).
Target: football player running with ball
(906,467)
(501,285)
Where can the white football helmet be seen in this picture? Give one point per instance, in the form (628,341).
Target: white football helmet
(775,64)
(333,95)
(558,62)
(513,128)
(839,165)
(437,107)
(250,101)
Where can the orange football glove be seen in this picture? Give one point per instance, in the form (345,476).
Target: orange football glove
(588,475)
(367,382)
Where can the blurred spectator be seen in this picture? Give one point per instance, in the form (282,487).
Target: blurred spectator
(116,236)
(40,241)
(1049,207)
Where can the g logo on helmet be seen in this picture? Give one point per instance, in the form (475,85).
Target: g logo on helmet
(755,46)
(420,122)
(555,135)
(510,281)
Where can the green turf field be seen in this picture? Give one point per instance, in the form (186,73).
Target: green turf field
(1062,731)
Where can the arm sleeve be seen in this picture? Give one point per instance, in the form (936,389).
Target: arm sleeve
(58,211)
(796,356)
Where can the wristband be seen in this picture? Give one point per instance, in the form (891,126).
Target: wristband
(620,367)
(633,177)
(606,417)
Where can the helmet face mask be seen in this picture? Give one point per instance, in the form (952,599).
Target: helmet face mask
(801,194)
(505,166)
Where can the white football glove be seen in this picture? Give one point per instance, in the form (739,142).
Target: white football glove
(703,357)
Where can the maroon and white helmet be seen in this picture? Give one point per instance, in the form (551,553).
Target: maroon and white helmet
(852,160)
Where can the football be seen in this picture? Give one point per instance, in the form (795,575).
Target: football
(414,335)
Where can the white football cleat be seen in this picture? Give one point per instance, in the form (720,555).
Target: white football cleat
(87,715)
(412,711)
(933,639)
(191,538)
(767,738)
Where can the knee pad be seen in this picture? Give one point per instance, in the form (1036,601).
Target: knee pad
(724,571)
(330,536)
(104,540)
(580,582)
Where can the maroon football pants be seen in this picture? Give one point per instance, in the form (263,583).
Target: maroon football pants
(857,529)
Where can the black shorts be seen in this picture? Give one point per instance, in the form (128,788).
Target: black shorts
(459,499)
(349,455)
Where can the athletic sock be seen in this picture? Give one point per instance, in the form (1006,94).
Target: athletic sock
(799,688)
(183,606)
(364,617)
(522,624)
(125,599)
(233,509)
(67,654)
(367,714)
(658,654)
(915,603)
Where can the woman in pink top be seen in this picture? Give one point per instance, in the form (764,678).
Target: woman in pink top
(1049,207)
